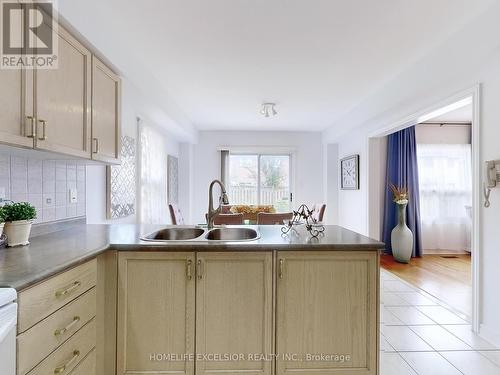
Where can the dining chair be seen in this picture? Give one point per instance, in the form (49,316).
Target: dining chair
(318,210)
(264,218)
(228,219)
(175,214)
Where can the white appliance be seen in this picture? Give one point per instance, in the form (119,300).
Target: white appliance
(8,323)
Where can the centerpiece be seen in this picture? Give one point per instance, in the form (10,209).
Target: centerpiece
(401,235)
(250,211)
(303,215)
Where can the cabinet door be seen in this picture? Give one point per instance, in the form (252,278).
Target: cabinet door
(156,298)
(327,305)
(106,93)
(62,100)
(16,115)
(234,312)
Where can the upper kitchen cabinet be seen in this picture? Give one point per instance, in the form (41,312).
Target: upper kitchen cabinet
(73,109)
(62,99)
(106,93)
(16,125)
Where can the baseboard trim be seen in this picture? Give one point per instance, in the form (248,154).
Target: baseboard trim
(489,334)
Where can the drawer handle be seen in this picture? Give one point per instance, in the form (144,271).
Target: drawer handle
(62,368)
(280,272)
(61,331)
(64,292)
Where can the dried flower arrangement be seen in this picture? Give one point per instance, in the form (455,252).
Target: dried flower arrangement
(400,194)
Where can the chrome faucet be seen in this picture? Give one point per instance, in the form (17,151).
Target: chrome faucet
(212,213)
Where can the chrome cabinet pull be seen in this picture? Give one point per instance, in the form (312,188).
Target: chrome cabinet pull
(68,290)
(96,145)
(62,368)
(33,127)
(61,331)
(280,272)
(44,130)
(200,269)
(188,269)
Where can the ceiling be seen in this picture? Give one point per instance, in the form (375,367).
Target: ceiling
(219,60)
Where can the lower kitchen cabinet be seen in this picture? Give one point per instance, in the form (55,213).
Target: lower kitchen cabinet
(261,312)
(234,313)
(326,313)
(156,312)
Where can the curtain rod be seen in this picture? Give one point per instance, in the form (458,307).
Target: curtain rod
(443,123)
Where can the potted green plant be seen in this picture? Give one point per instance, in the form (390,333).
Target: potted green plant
(18,219)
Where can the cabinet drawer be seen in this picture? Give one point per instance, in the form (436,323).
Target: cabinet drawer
(86,366)
(40,340)
(43,299)
(70,354)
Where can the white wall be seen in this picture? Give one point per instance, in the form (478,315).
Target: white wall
(377,185)
(307,163)
(470,57)
(186,180)
(133,105)
(331,183)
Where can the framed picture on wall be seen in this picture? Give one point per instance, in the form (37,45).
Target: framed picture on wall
(349,173)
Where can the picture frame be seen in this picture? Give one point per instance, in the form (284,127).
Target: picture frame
(349,172)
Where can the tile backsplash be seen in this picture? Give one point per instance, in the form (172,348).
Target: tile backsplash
(46,184)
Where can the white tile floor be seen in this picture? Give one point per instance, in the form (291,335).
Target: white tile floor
(421,336)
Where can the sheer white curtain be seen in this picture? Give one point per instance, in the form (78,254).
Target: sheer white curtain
(153,176)
(445,179)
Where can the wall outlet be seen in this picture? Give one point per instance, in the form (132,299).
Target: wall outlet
(73,196)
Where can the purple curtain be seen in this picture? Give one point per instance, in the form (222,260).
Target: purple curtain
(402,170)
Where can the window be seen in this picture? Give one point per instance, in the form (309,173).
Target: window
(445,186)
(153,176)
(257,179)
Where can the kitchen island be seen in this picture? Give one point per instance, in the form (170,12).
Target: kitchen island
(276,305)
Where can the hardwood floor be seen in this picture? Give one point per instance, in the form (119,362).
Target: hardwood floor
(445,276)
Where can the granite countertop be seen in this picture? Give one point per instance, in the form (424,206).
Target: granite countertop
(52,253)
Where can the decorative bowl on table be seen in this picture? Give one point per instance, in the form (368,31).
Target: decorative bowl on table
(250,211)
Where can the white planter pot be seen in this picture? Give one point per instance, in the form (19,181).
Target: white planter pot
(18,232)
(1,228)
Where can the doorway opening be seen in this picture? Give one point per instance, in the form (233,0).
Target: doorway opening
(448,185)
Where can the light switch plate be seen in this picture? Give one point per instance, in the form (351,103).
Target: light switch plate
(73,194)
(2,193)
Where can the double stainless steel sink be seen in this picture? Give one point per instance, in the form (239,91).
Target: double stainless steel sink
(230,234)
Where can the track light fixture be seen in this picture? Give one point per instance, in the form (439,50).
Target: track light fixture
(268,109)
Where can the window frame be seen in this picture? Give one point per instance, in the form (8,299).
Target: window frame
(291,175)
